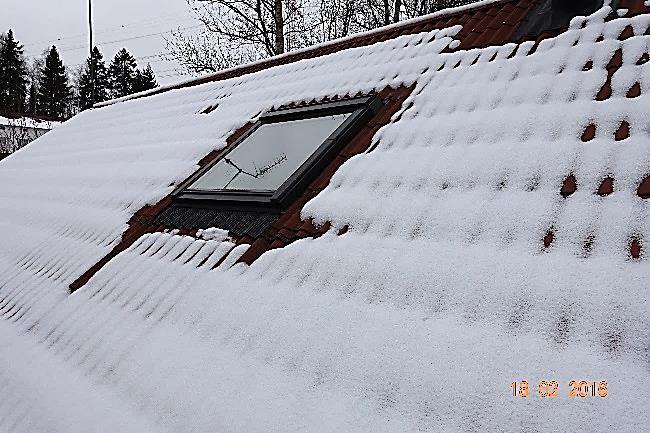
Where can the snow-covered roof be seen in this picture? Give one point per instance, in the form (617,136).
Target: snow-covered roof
(469,261)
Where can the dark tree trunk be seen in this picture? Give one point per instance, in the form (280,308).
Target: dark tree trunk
(386,12)
(279,27)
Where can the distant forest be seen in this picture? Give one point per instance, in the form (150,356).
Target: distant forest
(44,86)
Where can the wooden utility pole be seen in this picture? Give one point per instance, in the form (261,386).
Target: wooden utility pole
(92,63)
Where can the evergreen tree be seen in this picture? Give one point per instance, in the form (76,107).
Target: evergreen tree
(32,99)
(145,79)
(122,73)
(13,74)
(34,70)
(53,89)
(101,86)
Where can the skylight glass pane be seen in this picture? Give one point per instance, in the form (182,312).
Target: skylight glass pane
(270,155)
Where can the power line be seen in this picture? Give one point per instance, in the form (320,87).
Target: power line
(91,64)
(151,56)
(132,38)
(160,57)
(172,75)
(180,71)
(113,29)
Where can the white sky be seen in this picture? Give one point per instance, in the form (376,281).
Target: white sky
(38,24)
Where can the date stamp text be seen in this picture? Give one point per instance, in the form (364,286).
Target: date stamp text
(551,389)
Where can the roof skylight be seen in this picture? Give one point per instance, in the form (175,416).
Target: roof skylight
(280,153)
(270,155)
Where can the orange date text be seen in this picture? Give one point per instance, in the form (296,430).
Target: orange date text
(551,389)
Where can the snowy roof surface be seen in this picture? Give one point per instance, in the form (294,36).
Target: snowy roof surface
(418,318)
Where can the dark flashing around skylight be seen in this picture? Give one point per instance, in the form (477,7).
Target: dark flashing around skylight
(239,223)
(251,176)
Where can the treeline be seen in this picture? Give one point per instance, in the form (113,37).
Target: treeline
(241,31)
(45,86)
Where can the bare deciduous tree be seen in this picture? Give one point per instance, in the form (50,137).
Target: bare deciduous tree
(240,31)
(414,8)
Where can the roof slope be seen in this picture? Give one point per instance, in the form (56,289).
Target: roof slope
(438,296)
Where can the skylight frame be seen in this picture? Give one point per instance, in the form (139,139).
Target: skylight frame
(361,111)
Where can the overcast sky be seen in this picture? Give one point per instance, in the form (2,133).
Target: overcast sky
(38,24)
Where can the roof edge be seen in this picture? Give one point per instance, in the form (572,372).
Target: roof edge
(226,73)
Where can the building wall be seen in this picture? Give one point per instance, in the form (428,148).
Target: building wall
(14,137)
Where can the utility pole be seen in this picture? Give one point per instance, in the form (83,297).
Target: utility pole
(92,63)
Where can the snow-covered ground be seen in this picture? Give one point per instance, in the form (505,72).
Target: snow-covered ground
(28,122)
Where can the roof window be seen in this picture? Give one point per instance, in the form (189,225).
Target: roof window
(282,152)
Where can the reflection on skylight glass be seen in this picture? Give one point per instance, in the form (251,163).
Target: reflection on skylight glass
(270,155)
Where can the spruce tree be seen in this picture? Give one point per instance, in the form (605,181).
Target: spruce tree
(13,74)
(101,86)
(145,79)
(53,89)
(32,99)
(34,70)
(121,74)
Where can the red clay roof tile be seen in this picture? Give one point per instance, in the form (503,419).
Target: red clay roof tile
(606,186)
(644,188)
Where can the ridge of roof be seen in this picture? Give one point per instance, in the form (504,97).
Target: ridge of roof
(295,55)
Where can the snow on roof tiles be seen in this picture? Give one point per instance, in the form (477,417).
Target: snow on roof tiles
(463,267)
